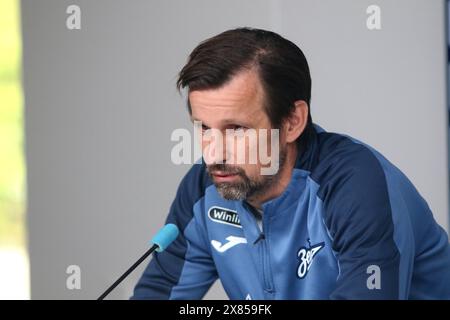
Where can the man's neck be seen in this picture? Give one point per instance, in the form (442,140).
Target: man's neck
(282,181)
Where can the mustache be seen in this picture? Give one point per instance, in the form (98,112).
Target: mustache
(224,168)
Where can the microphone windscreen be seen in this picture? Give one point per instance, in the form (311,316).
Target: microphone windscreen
(165,236)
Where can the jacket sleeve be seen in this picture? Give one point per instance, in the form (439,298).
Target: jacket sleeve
(185,270)
(359,217)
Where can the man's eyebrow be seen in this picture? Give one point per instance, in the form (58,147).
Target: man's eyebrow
(195,119)
(224,122)
(198,120)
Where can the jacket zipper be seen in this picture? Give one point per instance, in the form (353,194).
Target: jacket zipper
(265,257)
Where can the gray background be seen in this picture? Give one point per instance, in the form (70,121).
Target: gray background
(101,105)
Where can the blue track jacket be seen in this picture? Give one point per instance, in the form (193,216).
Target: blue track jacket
(350,225)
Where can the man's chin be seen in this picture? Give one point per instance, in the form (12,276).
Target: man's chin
(233,187)
(230,191)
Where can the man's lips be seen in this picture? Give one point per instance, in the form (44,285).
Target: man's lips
(223,176)
(223,173)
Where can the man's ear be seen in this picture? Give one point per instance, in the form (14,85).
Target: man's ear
(296,122)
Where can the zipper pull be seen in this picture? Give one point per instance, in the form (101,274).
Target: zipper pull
(260,237)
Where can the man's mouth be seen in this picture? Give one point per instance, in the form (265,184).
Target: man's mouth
(221,176)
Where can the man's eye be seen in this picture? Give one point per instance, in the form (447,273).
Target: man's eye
(237,127)
(204,128)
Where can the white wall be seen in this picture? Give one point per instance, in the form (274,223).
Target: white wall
(101,104)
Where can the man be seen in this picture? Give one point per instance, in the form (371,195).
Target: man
(335,221)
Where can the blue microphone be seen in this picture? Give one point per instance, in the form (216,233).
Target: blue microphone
(165,236)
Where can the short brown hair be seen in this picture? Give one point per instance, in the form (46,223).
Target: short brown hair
(281,65)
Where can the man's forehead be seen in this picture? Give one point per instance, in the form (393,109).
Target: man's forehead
(243,94)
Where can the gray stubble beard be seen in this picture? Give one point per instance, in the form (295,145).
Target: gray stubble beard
(247,188)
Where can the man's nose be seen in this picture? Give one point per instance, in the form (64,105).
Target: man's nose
(215,150)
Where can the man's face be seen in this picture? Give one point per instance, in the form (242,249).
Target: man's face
(238,105)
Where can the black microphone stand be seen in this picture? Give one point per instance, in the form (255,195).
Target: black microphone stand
(115,284)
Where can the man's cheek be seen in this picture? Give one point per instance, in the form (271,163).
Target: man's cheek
(269,153)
